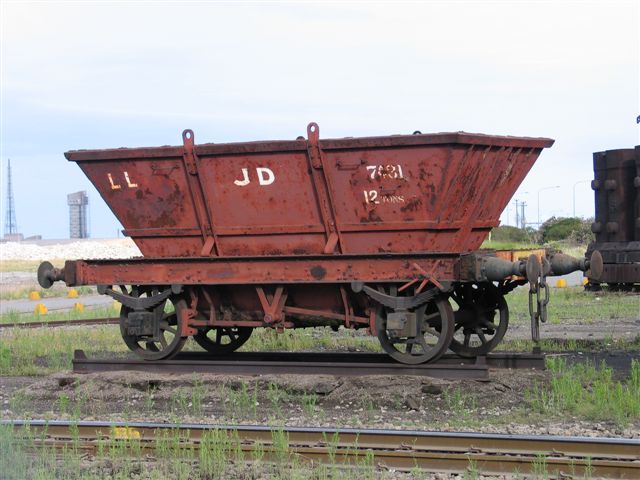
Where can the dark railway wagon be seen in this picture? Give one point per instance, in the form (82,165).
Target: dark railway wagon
(616,187)
(379,233)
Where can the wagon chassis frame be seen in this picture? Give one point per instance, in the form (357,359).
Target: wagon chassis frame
(269,270)
(270,276)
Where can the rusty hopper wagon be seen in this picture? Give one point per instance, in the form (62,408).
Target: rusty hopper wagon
(380,233)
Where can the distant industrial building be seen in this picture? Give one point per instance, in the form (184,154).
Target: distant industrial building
(78,214)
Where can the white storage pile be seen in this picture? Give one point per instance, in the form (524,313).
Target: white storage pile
(114,248)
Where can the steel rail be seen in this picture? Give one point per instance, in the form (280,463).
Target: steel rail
(404,450)
(62,323)
(310,363)
(520,360)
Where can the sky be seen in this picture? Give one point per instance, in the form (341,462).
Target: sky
(98,74)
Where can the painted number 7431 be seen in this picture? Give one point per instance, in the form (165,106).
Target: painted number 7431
(385,171)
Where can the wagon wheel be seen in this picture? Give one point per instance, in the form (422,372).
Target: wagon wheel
(476,331)
(168,342)
(222,340)
(434,321)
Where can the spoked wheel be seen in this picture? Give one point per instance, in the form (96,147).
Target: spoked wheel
(223,340)
(434,324)
(157,337)
(481,320)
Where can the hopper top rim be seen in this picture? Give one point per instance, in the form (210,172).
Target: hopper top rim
(348,143)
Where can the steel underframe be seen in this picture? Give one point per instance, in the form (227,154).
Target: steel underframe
(264,270)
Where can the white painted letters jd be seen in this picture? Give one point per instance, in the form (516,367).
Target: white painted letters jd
(265,177)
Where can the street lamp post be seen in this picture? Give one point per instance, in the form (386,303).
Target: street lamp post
(542,190)
(574,194)
(520,204)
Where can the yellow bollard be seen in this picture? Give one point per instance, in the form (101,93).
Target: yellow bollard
(561,283)
(33,295)
(40,309)
(78,307)
(125,433)
(73,293)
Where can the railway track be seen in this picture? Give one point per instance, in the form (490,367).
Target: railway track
(559,456)
(308,363)
(62,323)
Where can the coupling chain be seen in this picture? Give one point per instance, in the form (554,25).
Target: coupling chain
(538,300)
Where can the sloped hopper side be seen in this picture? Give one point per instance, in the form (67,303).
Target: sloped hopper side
(397,194)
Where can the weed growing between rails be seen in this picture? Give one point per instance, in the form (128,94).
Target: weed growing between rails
(15,461)
(221,455)
(185,400)
(463,408)
(270,402)
(589,391)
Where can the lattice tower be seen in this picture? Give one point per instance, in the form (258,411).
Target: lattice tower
(10,224)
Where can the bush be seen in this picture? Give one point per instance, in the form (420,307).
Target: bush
(576,230)
(583,235)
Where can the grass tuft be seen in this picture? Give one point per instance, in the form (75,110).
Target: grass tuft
(589,391)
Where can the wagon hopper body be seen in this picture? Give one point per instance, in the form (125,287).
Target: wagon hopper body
(616,188)
(379,233)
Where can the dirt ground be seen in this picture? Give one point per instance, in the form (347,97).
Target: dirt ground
(499,404)
(626,329)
